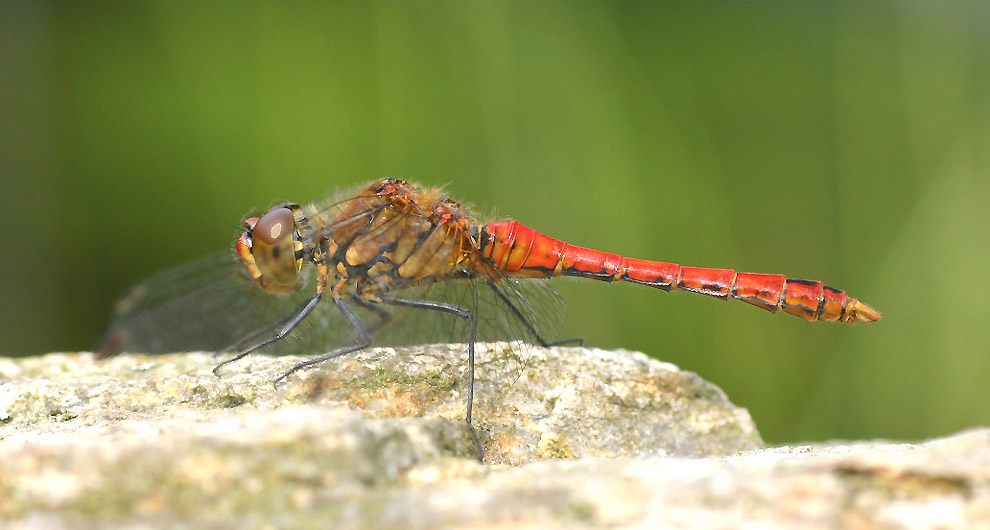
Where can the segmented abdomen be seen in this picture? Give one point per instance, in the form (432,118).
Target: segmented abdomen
(517,250)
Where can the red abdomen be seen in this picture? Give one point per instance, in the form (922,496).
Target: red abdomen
(517,250)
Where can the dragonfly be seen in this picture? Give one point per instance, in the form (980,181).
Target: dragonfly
(395,263)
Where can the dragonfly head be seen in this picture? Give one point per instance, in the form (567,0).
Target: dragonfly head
(272,250)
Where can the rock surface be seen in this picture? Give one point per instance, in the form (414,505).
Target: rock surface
(378,440)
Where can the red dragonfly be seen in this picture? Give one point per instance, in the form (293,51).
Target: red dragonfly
(395,246)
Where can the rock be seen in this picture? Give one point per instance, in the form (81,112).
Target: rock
(378,439)
(558,403)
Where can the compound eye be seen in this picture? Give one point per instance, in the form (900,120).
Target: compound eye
(273,246)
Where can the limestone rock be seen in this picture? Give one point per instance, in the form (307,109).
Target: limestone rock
(602,439)
(556,403)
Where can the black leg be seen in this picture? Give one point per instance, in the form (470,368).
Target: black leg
(384,317)
(253,336)
(363,341)
(579,341)
(290,324)
(529,325)
(469,318)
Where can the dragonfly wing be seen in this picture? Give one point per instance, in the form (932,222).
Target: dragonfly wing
(512,309)
(206,305)
(211,305)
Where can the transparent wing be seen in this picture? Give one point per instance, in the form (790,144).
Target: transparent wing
(205,305)
(522,312)
(211,305)
(508,310)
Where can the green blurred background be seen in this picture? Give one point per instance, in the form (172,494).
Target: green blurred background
(825,140)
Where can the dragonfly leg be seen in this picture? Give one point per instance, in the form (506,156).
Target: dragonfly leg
(362,342)
(529,325)
(290,324)
(253,336)
(384,317)
(468,317)
(577,341)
